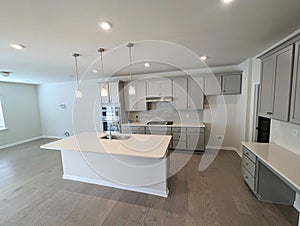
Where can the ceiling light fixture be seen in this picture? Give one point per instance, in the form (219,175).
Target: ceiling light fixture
(147,65)
(78,92)
(18,46)
(5,73)
(131,89)
(227,1)
(203,58)
(104,92)
(105,25)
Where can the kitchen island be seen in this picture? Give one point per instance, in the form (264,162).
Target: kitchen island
(132,162)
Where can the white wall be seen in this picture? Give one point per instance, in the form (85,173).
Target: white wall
(80,114)
(21,112)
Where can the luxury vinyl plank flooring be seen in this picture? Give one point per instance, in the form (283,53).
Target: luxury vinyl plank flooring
(33,193)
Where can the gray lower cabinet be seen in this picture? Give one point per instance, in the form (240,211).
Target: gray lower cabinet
(295,102)
(178,138)
(195,139)
(263,182)
(276,84)
(133,129)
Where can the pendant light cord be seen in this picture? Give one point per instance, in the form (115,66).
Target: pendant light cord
(76,68)
(130,64)
(102,69)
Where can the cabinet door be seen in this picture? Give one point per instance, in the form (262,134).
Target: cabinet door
(114,93)
(195,99)
(231,84)
(195,141)
(267,84)
(140,96)
(153,88)
(295,103)
(129,100)
(282,84)
(166,88)
(104,99)
(180,94)
(213,85)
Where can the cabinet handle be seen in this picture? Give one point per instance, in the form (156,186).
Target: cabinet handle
(224,91)
(269,113)
(247,153)
(246,177)
(247,164)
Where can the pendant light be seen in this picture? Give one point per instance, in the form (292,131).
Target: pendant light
(131,89)
(104,92)
(78,92)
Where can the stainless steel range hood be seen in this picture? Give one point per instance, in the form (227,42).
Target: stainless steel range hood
(159,99)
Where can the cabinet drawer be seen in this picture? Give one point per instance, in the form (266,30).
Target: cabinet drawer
(179,136)
(249,165)
(195,130)
(249,154)
(248,178)
(179,144)
(166,130)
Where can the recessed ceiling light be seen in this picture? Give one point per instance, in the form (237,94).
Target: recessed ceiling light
(147,65)
(105,25)
(203,58)
(18,46)
(227,1)
(95,71)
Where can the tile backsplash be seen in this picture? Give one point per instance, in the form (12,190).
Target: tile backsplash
(161,111)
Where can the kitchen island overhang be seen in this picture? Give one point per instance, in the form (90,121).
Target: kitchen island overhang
(139,163)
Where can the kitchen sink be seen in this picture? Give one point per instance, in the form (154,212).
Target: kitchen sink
(116,137)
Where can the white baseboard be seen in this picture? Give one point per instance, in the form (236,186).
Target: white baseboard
(110,184)
(52,137)
(225,148)
(297,202)
(20,142)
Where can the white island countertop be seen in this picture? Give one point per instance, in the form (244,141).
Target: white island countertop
(284,162)
(175,124)
(139,145)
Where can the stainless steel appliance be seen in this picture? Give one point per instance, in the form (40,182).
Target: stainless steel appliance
(110,118)
(159,123)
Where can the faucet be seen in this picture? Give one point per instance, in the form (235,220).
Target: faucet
(113,123)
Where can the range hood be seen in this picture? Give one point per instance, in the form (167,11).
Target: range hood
(159,99)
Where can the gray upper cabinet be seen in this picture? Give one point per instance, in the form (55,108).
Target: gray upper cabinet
(295,103)
(213,85)
(159,87)
(136,102)
(180,93)
(112,93)
(195,93)
(267,81)
(276,84)
(231,84)
(282,86)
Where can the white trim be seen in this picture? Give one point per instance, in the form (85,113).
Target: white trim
(109,184)
(20,142)
(3,128)
(225,148)
(292,35)
(297,202)
(52,137)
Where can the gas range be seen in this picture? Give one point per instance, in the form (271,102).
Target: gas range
(163,123)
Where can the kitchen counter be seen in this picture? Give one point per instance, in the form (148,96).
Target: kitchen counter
(139,163)
(284,162)
(139,145)
(175,124)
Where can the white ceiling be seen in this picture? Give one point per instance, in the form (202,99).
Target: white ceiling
(54,30)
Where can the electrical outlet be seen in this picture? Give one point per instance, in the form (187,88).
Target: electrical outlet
(296,133)
(220,138)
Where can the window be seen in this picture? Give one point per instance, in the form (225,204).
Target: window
(2,123)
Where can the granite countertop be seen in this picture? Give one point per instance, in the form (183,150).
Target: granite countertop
(139,145)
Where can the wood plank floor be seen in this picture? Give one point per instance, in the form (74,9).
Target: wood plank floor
(33,193)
